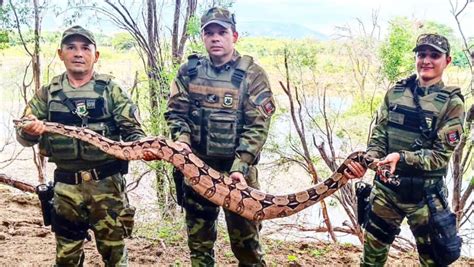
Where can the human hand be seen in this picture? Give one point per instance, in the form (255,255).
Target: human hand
(390,160)
(35,127)
(238,177)
(354,170)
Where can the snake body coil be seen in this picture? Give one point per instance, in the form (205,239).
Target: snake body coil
(248,202)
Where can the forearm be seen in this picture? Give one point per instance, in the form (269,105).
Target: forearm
(377,146)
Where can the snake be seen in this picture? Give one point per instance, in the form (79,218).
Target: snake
(217,187)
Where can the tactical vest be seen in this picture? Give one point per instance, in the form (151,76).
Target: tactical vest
(404,124)
(216,106)
(95,100)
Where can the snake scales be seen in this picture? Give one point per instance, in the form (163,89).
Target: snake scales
(216,187)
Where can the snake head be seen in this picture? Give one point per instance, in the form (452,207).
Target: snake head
(385,175)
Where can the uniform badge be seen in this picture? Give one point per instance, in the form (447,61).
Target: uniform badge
(228,101)
(429,122)
(267,107)
(453,137)
(81,108)
(212,98)
(90,103)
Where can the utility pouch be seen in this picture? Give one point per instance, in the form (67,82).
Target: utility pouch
(410,190)
(364,206)
(45,194)
(74,230)
(178,178)
(445,243)
(222,134)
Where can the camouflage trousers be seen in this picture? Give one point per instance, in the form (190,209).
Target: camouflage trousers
(387,208)
(201,220)
(98,205)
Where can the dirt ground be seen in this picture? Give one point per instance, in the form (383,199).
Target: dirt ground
(25,242)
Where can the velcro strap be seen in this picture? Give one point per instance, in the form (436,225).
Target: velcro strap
(441,97)
(399,88)
(389,230)
(99,173)
(380,235)
(193,61)
(100,86)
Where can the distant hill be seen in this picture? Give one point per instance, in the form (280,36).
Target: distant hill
(277,30)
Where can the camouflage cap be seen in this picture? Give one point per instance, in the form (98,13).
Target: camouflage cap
(436,41)
(78,30)
(219,16)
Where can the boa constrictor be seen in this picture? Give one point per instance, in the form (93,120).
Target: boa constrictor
(248,202)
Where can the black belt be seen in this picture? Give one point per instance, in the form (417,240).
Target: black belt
(98,173)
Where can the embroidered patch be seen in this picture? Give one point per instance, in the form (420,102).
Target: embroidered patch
(396,117)
(453,137)
(429,122)
(81,108)
(212,98)
(267,107)
(90,103)
(228,101)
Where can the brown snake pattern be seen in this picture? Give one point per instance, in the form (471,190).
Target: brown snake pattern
(248,202)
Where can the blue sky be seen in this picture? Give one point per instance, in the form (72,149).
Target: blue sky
(319,15)
(324,15)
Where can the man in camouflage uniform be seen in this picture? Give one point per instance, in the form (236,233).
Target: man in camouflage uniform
(220,108)
(89,190)
(418,126)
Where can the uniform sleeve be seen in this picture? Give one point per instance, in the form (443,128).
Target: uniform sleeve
(126,115)
(449,133)
(178,110)
(38,107)
(259,107)
(378,143)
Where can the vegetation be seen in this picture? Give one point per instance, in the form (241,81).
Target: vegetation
(327,97)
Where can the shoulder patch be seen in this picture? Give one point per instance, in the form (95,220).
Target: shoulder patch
(453,137)
(267,108)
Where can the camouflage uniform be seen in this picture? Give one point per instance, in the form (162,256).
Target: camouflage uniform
(223,113)
(89,191)
(422,166)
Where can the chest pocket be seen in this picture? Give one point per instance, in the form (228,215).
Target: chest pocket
(408,119)
(222,134)
(92,153)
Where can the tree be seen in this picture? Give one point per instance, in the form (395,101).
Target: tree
(17,15)
(361,46)
(395,52)
(462,157)
(177,47)
(159,60)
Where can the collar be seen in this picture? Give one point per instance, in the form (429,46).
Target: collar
(233,62)
(430,89)
(65,80)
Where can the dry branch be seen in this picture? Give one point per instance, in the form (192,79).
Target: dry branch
(5,179)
